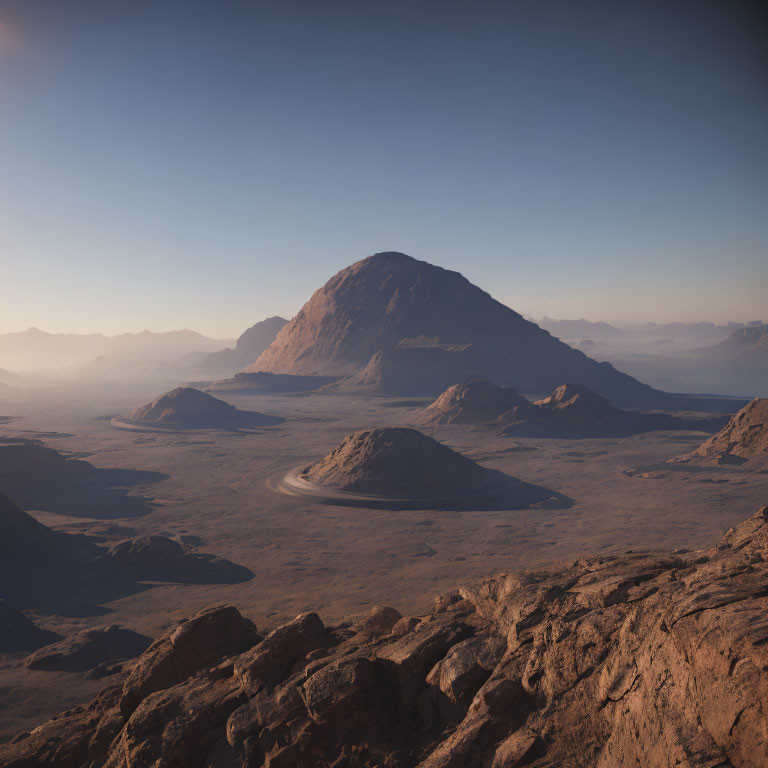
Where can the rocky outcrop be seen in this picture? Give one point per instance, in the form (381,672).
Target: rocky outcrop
(249,346)
(398,325)
(743,440)
(89,649)
(476,402)
(189,408)
(571,411)
(637,659)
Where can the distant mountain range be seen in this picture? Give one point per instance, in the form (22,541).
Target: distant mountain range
(34,349)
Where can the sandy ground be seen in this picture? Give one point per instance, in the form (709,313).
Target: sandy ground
(340,560)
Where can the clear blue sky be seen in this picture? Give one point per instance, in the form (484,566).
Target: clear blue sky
(206,164)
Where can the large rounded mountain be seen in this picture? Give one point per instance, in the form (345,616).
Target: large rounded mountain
(392,323)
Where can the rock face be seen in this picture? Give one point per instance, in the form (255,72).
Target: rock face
(743,440)
(393,461)
(248,347)
(405,326)
(476,402)
(186,407)
(638,659)
(89,649)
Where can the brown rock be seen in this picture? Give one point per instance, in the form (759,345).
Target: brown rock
(194,645)
(637,659)
(743,440)
(402,325)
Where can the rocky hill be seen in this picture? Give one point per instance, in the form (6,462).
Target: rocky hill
(401,468)
(248,347)
(743,440)
(476,402)
(394,460)
(186,407)
(40,566)
(636,659)
(400,325)
(571,411)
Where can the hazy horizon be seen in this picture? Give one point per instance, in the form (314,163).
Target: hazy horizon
(170,165)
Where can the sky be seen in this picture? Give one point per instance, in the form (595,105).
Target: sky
(207,164)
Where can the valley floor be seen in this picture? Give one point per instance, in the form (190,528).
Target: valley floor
(338,561)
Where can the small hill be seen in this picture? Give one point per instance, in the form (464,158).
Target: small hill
(40,566)
(575,411)
(394,461)
(743,440)
(189,408)
(403,326)
(247,349)
(399,467)
(579,404)
(89,649)
(476,402)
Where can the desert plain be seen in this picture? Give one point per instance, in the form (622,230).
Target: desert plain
(216,491)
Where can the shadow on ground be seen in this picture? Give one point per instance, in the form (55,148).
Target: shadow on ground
(38,477)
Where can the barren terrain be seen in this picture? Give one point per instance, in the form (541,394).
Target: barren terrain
(215,489)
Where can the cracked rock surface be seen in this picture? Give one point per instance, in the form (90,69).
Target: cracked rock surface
(639,659)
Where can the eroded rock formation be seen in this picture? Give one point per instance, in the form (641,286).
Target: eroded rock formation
(743,440)
(637,659)
(477,402)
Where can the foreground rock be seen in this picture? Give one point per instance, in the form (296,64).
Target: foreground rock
(189,408)
(743,440)
(398,465)
(638,659)
(401,326)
